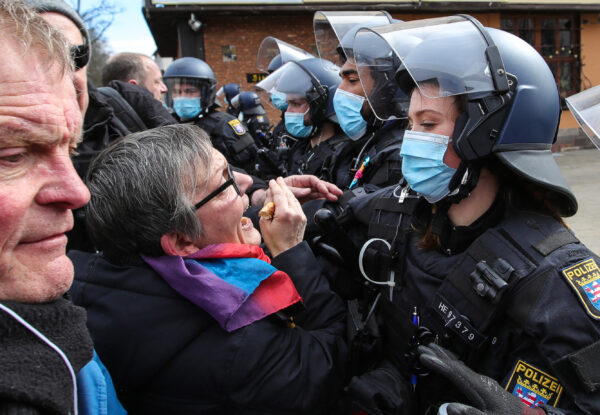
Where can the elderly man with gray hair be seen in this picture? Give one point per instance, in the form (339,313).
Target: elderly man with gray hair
(47,361)
(188,312)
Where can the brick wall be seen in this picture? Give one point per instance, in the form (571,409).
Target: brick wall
(233,30)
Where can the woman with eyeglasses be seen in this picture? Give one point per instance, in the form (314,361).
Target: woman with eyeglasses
(187,310)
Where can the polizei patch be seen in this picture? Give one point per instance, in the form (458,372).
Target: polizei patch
(533,386)
(584,277)
(237,126)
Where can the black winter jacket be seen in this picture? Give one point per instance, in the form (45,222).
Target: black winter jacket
(166,355)
(99,127)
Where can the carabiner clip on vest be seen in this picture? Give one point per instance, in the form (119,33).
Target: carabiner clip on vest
(391,283)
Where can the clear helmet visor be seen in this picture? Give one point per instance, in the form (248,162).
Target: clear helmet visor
(289,80)
(331,30)
(183,88)
(267,90)
(447,52)
(585,107)
(271,47)
(221,95)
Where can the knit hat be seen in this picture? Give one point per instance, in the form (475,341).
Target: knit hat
(60,7)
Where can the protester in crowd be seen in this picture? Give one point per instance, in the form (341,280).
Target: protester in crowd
(136,69)
(247,333)
(62,16)
(46,354)
(110,113)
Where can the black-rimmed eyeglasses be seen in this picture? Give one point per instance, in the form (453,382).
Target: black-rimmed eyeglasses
(229,182)
(80,55)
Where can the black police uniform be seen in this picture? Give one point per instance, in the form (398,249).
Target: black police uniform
(273,152)
(382,147)
(515,295)
(305,159)
(338,159)
(230,137)
(258,126)
(280,137)
(384,168)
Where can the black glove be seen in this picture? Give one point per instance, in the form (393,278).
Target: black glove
(381,391)
(484,393)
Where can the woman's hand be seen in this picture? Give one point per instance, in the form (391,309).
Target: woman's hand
(286,229)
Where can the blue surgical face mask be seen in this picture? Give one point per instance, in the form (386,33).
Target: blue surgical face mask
(278,100)
(187,108)
(347,107)
(423,164)
(294,123)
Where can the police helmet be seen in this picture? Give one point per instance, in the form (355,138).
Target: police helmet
(275,64)
(509,97)
(229,91)
(334,31)
(272,53)
(315,80)
(195,72)
(248,103)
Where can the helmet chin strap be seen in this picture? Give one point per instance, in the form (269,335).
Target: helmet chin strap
(315,131)
(463,182)
(467,174)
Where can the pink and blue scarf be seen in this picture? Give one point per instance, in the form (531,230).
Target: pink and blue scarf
(234,283)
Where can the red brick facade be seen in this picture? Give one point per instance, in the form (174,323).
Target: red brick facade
(224,31)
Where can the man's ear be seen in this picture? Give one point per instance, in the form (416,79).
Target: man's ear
(176,244)
(132,81)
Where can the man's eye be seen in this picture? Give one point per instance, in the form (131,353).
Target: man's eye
(13,158)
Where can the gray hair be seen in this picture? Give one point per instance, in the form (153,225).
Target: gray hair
(123,67)
(27,28)
(141,189)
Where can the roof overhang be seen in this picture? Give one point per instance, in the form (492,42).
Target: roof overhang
(162,15)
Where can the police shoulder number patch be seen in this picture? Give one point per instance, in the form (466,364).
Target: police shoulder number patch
(533,386)
(237,126)
(584,278)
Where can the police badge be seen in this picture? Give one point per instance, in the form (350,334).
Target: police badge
(533,386)
(584,278)
(237,126)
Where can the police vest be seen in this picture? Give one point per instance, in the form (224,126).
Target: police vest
(495,280)
(230,137)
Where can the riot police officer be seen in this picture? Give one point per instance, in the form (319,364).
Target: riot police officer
(253,114)
(228,92)
(483,280)
(309,86)
(376,158)
(272,53)
(192,89)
